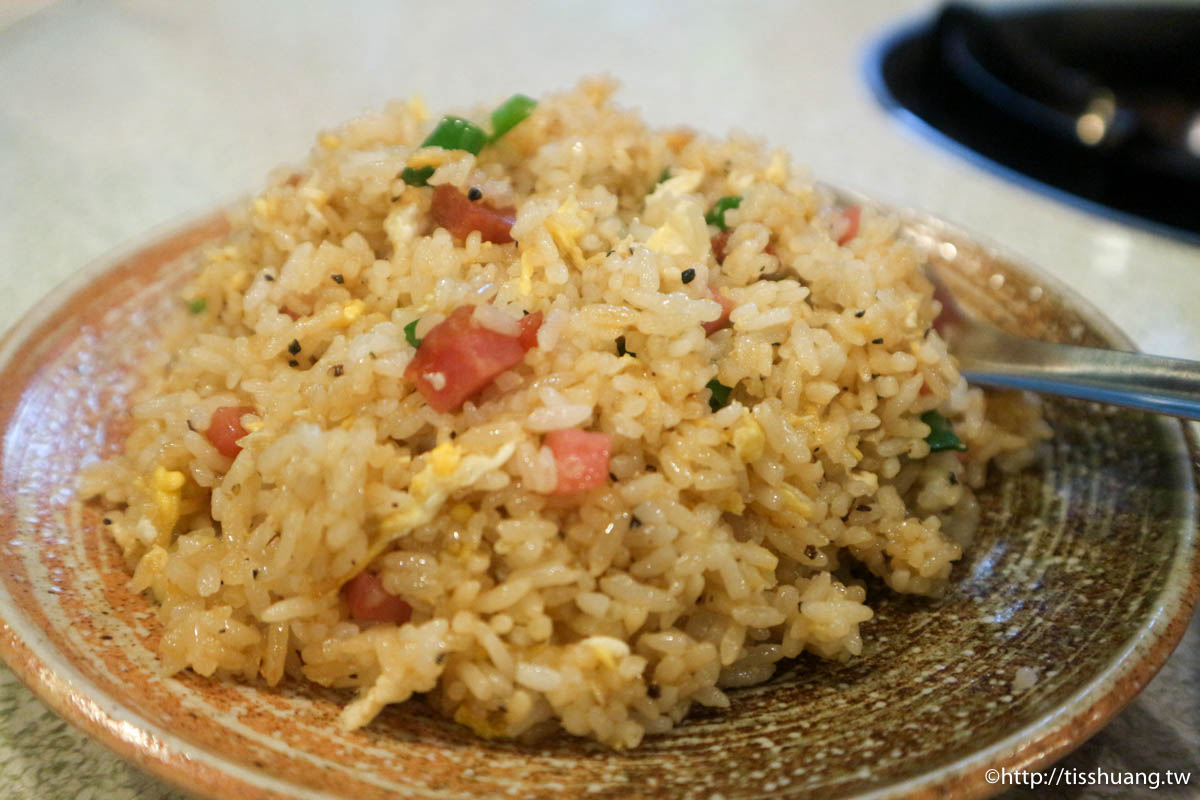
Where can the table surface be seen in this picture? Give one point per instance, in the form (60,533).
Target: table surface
(119,117)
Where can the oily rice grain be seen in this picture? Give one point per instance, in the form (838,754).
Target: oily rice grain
(759,391)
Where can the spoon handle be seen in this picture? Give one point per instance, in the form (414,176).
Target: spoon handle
(992,357)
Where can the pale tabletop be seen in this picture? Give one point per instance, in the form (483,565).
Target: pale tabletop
(119,117)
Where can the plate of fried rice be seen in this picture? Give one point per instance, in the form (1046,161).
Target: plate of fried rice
(530,450)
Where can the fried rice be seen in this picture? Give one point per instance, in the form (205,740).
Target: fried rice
(711,420)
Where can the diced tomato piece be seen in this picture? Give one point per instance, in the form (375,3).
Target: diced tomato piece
(529,325)
(225,429)
(459,357)
(370,602)
(455,212)
(726,307)
(719,243)
(850,219)
(580,459)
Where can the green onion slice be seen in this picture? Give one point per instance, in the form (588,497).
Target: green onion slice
(417,177)
(941,433)
(720,394)
(451,133)
(511,113)
(410,333)
(716,216)
(456,133)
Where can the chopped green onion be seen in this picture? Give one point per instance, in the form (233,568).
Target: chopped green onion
(417,177)
(451,133)
(665,175)
(410,333)
(456,133)
(197,306)
(717,215)
(511,113)
(621,351)
(941,433)
(720,394)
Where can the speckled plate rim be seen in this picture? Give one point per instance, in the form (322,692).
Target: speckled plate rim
(23,645)
(32,657)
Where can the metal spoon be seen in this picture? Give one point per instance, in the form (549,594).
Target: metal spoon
(992,357)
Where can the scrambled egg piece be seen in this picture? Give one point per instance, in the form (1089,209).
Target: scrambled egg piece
(166,485)
(749,441)
(606,649)
(462,513)
(447,470)
(444,458)
(402,225)
(351,311)
(482,726)
(526,285)
(428,157)
(566,226)
(684,232)
(796,501)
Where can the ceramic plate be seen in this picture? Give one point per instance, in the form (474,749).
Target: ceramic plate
(1078,587)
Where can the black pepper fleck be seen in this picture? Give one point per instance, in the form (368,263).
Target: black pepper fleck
(191,427)
(634,522)
(653,691)
(106,637)
(293,362)
(268,277)
(474,194)
(688,275)
(953,479)
(860,313)
(877,341)
(107,521)
(810,552)
(337,370)
(612,477)
(338,277)
(294,347)
(863,508)
(453,434)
